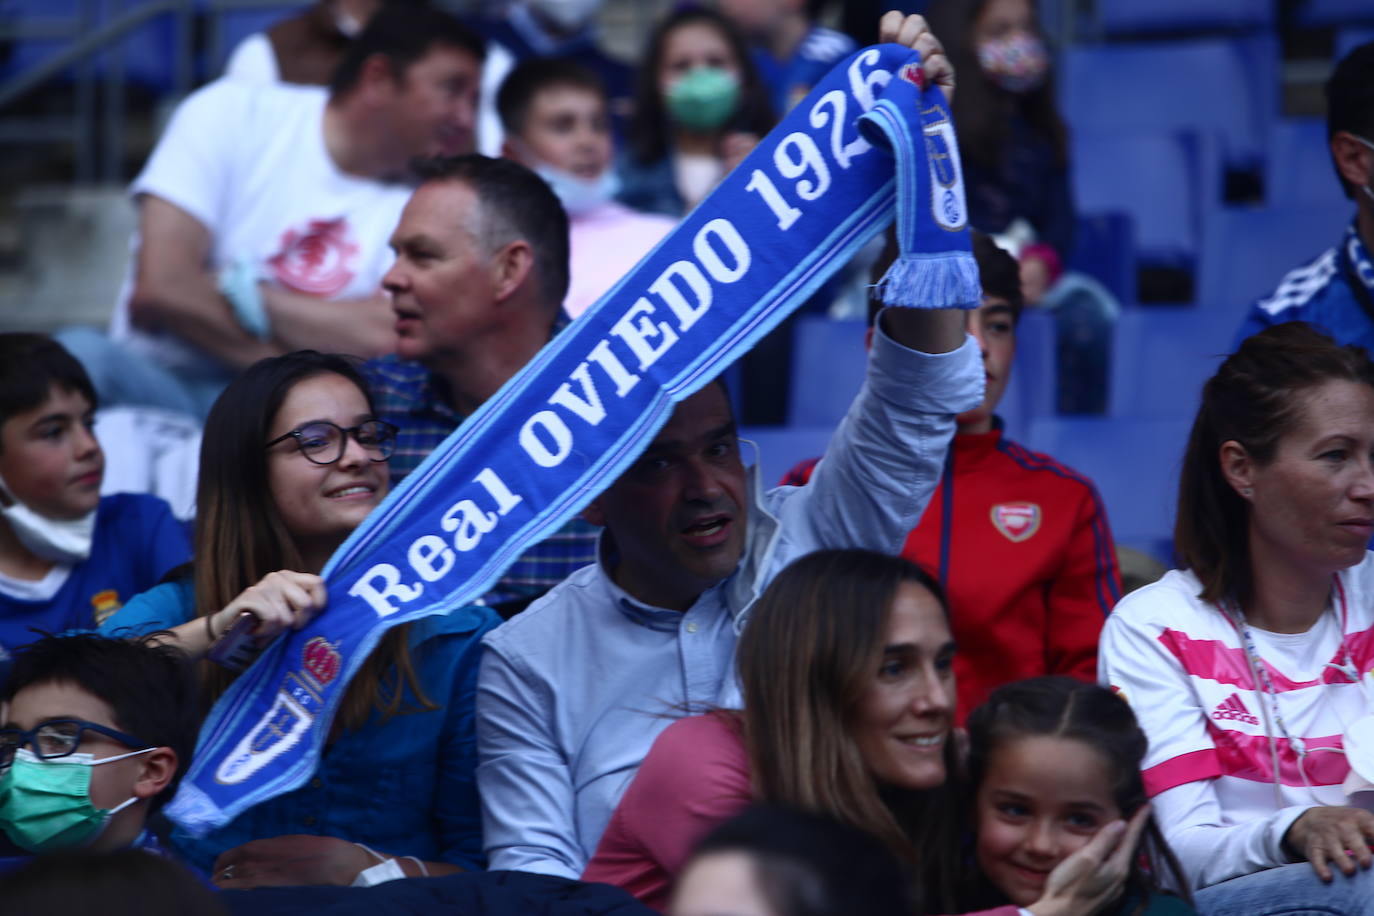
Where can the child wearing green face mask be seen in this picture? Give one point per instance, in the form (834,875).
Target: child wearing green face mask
(95,735)
(700,107)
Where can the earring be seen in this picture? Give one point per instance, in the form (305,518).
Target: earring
(1246,492)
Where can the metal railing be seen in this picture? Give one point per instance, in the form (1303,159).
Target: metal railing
(89,40)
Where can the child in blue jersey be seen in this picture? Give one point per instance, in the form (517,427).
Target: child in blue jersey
(68,557)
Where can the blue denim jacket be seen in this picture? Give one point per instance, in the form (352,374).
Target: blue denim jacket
(405,786)
(574,690)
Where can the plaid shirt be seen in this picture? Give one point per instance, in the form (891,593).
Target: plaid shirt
(410,396)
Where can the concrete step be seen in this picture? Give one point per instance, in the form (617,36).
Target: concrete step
(63,255)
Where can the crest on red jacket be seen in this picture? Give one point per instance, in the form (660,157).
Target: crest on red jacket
(1016,521)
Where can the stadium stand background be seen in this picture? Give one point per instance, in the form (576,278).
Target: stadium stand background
(1184,114)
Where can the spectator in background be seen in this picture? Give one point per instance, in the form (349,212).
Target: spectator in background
(1012,140)
(527,29)
(68,557)
(776,861)
(292,461)
(700,107)
(791,52)
(96,735)
(846,670)
(306,48)
(555,119)
(1248,669)
(481,267)
(1020,542)
(1335,292)
(1016,176)
(262,202)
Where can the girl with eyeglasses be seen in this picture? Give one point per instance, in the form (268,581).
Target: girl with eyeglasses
(292,460)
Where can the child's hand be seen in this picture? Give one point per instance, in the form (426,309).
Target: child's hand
(1093,877)
(281,600)
(1332,833)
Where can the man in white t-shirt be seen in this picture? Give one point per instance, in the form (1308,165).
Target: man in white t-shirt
(261,201)
(556,119)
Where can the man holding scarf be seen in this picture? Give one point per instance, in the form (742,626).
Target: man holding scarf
(573,692)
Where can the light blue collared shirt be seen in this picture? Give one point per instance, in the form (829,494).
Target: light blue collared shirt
(573,691)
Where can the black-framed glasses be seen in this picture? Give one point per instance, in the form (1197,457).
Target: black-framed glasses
(323,442)
(58,738)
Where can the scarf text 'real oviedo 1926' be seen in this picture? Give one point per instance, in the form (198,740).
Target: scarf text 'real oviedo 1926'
(868,140)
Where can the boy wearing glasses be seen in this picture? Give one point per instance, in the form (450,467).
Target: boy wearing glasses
(95,735)
(68,557)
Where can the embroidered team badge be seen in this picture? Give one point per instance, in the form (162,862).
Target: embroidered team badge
(104,604)
(1016,521)
(316,260)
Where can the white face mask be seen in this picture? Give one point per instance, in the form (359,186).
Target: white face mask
(580,195)
(55,540)
(568,15)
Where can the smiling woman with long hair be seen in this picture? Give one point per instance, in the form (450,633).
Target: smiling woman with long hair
(292,460)
(846,670)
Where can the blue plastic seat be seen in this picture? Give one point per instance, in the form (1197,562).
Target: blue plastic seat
(1134,464)
(1247,251)
(828,360)
(1350,38)
(1126,17)
(1162,355)
(1226,86)
(1315,13)
(1299,170)
(780,448)
(1164,181)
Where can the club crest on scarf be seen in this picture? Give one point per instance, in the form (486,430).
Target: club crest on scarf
(1016,521)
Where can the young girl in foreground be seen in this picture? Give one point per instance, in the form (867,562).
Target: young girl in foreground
(1053,760)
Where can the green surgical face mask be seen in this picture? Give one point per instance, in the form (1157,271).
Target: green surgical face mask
(703,99)
(45,805)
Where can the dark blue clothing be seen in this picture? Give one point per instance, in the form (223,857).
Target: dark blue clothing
(1324,292)
(136,541)
(493,893)
(813,58)
(650,187)
(1029,183)
(405,786)
(519,34)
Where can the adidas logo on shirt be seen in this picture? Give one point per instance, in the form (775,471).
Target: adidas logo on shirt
(1233,708)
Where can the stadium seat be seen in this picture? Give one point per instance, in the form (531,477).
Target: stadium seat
(1247,251)
(1350,38)
(1299,170)
(1127,17)
(1134,464)
(780,448)
(1161,357)
(1317,13)
(828,360)
(1164,181)
(1226,86)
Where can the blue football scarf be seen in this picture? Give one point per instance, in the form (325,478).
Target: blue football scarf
(814,191)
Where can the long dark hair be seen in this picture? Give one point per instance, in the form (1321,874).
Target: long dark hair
(1254,399)
(649,126)
(1062,707)
(983,111)
(811,650)
(240,536)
